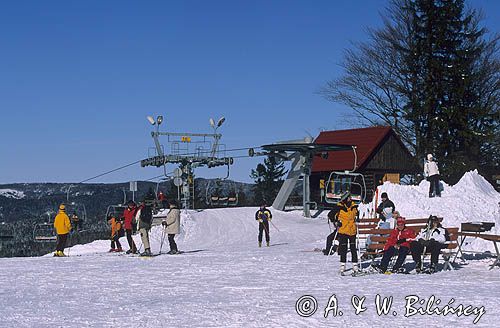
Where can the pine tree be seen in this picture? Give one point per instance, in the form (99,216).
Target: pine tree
(452,121)
(432,74)
(268,180)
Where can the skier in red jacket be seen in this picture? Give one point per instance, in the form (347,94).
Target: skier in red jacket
(397,243)
(129,218)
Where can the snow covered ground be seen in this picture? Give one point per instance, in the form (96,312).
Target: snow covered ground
(230,282)
(225,280)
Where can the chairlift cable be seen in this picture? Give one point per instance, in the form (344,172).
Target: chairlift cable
(111,171)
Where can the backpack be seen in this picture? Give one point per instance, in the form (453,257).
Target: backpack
(146,214)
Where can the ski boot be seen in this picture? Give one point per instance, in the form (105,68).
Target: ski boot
(418,267)
(119,250)
(61,254)
(431,269)
(111,250)
(267,244)
(147,252)
(342,269)
(356,271)
(398,270)
(260,244)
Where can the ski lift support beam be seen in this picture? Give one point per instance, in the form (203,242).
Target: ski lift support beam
(187,162)
(301,153)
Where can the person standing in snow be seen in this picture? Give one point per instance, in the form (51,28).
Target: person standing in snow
(172,225)
(63,227)
(433,239)
(128,222)
(397,243)
(347,217)
(116,233)
(431,172)
(264,216)
(144,217)
(331,248)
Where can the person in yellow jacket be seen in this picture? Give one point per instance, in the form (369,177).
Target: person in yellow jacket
(347,216)
(63,227)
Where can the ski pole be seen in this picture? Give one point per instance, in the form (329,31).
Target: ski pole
(333,243)
(358,248)
(275,227)
(162,238)
(69,248)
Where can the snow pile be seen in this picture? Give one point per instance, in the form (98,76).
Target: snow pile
(11,193)
(472,199)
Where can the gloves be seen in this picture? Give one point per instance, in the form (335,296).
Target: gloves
(260,220)
(338,224)
(400,241)
(164,223)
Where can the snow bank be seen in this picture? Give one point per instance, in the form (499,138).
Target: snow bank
(11,193)
(471,199)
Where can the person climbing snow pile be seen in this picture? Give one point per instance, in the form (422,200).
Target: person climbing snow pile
(431,172)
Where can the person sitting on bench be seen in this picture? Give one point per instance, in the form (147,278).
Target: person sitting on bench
(397,243)
(432,238)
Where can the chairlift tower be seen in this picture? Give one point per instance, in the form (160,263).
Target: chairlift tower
(189,151)
(301,153)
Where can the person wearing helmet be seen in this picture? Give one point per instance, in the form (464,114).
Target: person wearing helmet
(397,243)
(431,172)
(62,225)
(348,214)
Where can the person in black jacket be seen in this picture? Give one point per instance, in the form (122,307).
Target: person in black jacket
(333,217)
(386,203)
(144,217)
(263,215)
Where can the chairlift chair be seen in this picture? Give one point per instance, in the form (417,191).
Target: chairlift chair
(44,233)
(115,211)
(6,232)
(340,182)
(215,198)
(79,210)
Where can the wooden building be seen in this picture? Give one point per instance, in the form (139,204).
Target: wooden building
(380,156)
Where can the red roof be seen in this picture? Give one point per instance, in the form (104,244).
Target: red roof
(366,141)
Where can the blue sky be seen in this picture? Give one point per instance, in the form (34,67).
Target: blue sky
(77,78)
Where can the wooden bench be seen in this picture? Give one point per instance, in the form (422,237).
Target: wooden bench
(379,237)
(493,238)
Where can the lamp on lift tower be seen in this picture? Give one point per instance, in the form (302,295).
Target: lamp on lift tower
(219,122)
(158,121)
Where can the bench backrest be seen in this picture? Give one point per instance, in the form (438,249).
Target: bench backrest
(379,237)
(367,225)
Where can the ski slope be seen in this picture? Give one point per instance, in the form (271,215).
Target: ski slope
(230,282)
